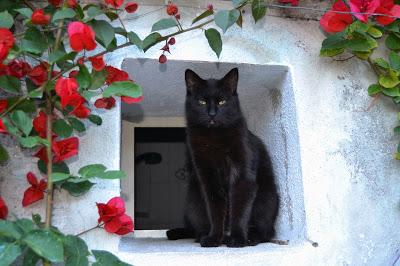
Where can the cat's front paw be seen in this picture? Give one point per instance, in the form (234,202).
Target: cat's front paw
(236,242)
(210,241)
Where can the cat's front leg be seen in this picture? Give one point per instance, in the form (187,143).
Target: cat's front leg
(216,203)
(243,192)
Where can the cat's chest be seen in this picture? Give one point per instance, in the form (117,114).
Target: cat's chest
(215,143)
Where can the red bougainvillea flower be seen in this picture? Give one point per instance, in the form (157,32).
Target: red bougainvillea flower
(162,59)
(389,8)
(55,3)
(114,217)
(81,36)
(66,88)
(130,100)
(38,74)
(73,73)
(131,7)
(113,208)
(81,60)
(72,3)
(3,209)
(126,225)
(114,74)
(35,192)
(65,149)
(3,105)
(210,7)
(18,68)
(39,124)
(292,2)
(114,3)
(363,6)
(97,62)
(3,128)
(171,41)
(62,150)
(106,103)
(6,43)
(333,22)
(40,18)
(172,9)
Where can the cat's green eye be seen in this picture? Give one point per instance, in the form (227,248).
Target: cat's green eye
(202,102)
(221,102)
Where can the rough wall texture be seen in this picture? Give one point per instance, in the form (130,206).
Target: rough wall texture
(350,178)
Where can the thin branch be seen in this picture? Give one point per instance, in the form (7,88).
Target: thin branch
(343,59)
(29,5)
(88,230)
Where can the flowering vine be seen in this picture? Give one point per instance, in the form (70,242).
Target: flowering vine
(358,32)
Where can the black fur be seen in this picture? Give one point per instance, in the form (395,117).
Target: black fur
(232,196)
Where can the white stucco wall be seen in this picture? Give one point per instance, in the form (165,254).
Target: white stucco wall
(350,179)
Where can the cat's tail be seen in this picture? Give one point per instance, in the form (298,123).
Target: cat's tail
(180,233)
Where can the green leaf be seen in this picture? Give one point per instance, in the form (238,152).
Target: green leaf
(91,170)
(62,129)
(393,41)
(225,19)
(76,251)
(397,130)
(115,174)
(333,45)
(9,229)
(10,84)
(22,121)
(104,32)
(393,92)
(77,189)
(46,244)
(134,38)
(33,42)
(105,258)
(30,142)
(239,22)
(151,40)
(205,14)
(394,59)
(25,225)
(163,24)
(214,40)
(93,11)
(111,15)
(30,258)
(361,43)
(389,81)
(63,14)
(258,9)
(26,12)
(55,56)
(6,20)
(57,167)
(382,63)
(374,32)
(98,78)
(8,253)
(123,88)
(95,119)
(76,124)
(3,154)
(374,89)
(38,93)
(57,177)
(83,77)
(27,105)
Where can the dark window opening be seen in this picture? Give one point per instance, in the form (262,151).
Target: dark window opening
(160,181)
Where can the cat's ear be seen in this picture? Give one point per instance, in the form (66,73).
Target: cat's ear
(192,80)
(230,81)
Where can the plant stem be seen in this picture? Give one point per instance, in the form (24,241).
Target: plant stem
(373,66)
(88,230)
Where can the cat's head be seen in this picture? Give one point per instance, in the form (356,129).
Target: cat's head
(212,103)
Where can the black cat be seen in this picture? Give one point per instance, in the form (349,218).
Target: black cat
(232,196)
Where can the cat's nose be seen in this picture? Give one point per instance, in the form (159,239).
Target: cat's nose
(212,113)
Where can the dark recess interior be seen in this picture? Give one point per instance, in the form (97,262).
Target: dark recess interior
(160,177)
